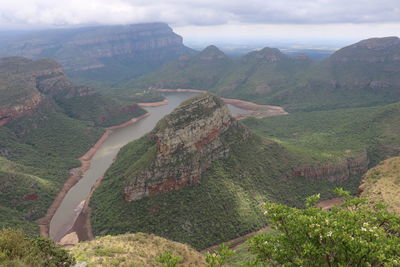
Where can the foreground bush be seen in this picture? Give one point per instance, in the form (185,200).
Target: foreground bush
(353,234)
(17,249)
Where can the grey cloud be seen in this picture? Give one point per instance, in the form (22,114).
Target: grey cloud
(197,12)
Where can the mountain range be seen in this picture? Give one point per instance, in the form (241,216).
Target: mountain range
(363,74)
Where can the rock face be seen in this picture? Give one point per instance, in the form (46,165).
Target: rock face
(26,83)
(186,143)
(334,172)
(92,48)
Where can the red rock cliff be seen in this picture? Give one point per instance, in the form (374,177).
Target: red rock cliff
(186,142)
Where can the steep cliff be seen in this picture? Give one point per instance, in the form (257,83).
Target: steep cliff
(119,52)
(340,171)
(199,177)
(25,84)
(186,141)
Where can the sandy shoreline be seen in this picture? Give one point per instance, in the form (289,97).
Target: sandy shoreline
(153,104)
(254,110)
(76,174)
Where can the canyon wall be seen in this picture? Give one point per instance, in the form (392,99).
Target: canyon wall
(89,48)
(334,171)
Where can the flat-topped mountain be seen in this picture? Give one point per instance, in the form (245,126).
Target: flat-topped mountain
(101,53)
(200,177)
(370,50)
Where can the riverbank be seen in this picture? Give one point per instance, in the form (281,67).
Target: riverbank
(153,104)
(77,173)
(254,110)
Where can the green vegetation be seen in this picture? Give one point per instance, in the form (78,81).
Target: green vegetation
(137,249)
(200,71)
(332,136)
(218,257)
(352,234)
(17,249)
(223,206)
(102,110)
(355,76)
(38,148)
(37,152)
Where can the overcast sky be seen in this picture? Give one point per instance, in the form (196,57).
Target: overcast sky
(237,20)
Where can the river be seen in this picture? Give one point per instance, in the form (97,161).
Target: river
(69,209)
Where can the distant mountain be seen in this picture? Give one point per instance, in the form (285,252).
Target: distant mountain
(202,70)
(200,177)
(46,123)
(101,55)
(364,74)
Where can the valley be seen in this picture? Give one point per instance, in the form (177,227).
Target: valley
(156,154)
(73,201)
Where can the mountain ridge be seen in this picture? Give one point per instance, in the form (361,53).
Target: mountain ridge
(360,75)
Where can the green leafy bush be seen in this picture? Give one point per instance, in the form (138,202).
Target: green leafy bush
(352,234)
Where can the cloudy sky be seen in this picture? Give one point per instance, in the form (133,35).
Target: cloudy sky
(230,20)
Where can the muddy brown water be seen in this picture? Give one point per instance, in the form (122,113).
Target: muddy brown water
(72,203)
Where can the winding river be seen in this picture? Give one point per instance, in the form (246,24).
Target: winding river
(71,205)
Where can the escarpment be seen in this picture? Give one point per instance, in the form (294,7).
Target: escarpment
(101,55)
(25,84)
(185,143)
(340,171)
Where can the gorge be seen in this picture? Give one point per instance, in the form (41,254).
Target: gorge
(64,218)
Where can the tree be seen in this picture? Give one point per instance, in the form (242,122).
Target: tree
(352,234)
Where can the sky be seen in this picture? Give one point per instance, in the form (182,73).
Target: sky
(232,21)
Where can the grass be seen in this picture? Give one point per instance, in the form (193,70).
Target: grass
(134,250)
(382,184)
(333,136)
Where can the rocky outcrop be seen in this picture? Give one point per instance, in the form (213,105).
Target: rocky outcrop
(27,106)
(186,142)
(25,84)
(336,171)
